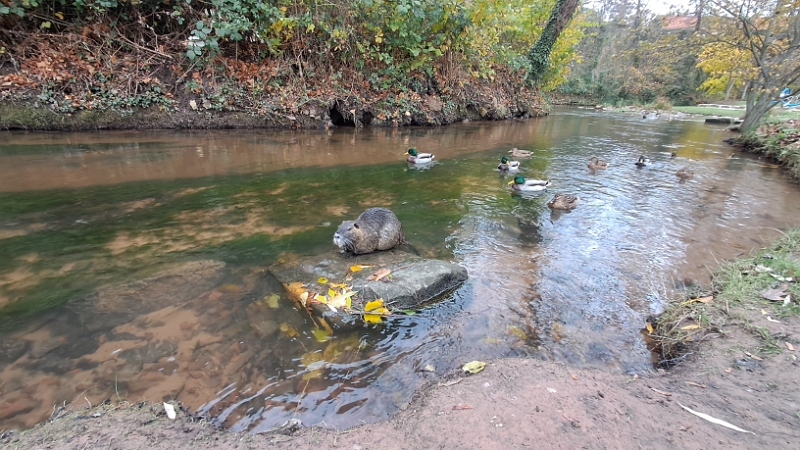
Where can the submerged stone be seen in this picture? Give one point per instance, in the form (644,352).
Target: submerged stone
(412,282)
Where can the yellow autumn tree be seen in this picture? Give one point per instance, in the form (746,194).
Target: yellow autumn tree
(727,66)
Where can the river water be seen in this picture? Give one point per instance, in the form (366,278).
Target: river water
(133,264)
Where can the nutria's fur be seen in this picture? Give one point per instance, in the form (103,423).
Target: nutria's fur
(375,229)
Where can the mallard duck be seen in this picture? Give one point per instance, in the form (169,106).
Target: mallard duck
(684,174)
(519,183)
(507,165)
(642,162)
(418,158)
(595,163)
(563,201)
(520,153)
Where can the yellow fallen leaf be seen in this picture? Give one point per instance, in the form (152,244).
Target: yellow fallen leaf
(700,300)
(492,340)
(294,290)
(304,298)
(691,327)
(358,267)
(517,331)
(753,356)
(272,300)
(230,288)
(473,366)
(289,330)
(375,304)
(373,318)
(339,286)
(789,346)
(341,300)
(321,335)
(322,280)
(321,298)
(649,327)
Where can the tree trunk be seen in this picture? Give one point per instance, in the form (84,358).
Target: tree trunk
(539,55)
(759,101)
(698,14)
(730,88)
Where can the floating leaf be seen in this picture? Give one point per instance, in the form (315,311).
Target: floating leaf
(321,335)
(492,340)
(322,280)
(358,267)
(289,330)
(229,287)
(517,331)
(381,273)
(409,312)
(691,327)
(473,366)
(373,318)
(429,368)
(272,300)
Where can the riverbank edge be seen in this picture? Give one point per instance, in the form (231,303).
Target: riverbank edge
(486,102)
(780,142)
(735,298)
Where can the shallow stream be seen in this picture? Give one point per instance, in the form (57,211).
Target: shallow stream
(132,264)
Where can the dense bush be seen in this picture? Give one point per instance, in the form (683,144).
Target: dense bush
(385,39)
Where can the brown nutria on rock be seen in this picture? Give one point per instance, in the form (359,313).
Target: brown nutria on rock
(375,229)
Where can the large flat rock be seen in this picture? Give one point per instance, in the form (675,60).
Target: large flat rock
(413,281)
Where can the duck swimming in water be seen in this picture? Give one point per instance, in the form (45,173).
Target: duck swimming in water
(520,153)
(642,162)
(519,183)
(415,157)
(595,164)
(507,165)
(563,201)
(684,174)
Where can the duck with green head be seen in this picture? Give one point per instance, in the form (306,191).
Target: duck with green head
(506,165)
(415,157)
(520,183)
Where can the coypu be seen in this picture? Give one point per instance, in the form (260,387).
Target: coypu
(375,229)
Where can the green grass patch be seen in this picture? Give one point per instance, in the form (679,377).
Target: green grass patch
(707,111)
(736,297)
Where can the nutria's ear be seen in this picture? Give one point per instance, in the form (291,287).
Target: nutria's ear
(355,225)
